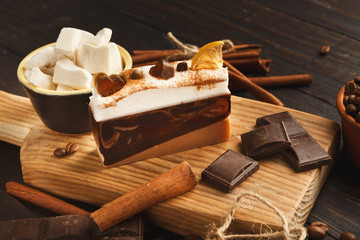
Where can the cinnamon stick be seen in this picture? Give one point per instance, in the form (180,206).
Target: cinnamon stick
(240,47)
(176,181)
(251,65)
(145,63)
(241,55)
(273,81)
(150,56)
(42,199)
(167,51)
(257,91)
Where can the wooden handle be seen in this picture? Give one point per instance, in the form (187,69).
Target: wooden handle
(172,183)
(42,199)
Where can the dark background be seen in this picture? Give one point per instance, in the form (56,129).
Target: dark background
(291,34)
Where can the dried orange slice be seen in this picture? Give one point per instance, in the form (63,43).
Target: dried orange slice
(208,57)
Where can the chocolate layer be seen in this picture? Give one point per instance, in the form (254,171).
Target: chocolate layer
(229,170)
(305,153)
(126,136)
(265,141)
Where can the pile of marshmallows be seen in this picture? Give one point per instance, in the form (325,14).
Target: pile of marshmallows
(69,64)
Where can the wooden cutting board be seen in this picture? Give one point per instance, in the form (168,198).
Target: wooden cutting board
(80,176)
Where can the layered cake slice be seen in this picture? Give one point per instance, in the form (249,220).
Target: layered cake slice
(155,110)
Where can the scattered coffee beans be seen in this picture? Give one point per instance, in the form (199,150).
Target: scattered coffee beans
(324,226)
(352,98)
(316,232)
(69,149)
(348,236)
(60,152)
(324,50)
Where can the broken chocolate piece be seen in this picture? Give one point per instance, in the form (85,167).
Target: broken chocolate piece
(62,227)
(162,70)
(305,153)
(108,85)
(130,229)
(70,227)
(136,74)
(265,141)
(229,170)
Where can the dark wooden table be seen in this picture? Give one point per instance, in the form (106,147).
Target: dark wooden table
(291,33)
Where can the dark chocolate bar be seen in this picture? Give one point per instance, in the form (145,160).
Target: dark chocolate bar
(305,152)
(229,170)
(265,140)
(69,227)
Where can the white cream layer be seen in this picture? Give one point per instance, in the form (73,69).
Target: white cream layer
(182,88)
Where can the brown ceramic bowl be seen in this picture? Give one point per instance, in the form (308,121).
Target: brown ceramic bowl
(66,111)
(350,129)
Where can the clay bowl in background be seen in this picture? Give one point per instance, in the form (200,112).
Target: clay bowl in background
(350,129)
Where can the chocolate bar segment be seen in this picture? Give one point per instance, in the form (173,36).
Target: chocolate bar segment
(265,140)
(69,227)
(229,170)
(305,153)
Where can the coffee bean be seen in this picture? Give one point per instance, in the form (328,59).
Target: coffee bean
(351,98)
(357,117)
(324,226)
(350,88)
(136,74)
(72,147)
(346,100)
(348,236)
(357,79)
(351,109)
(325,49)
(60,152)
(355,100)
(182,66)
(316,233)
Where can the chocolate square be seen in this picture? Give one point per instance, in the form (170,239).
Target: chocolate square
(305,152)
(229,170)
(265,140)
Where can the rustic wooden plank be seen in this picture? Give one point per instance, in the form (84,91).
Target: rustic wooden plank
(81,176)
(17,118)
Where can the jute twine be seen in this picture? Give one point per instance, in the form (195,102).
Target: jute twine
(290,231)
(189,50)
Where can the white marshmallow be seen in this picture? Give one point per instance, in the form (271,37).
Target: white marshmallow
(48,70)
(96,59)
(70,39)
(40,79)
(102,37)
(61,87)
(27,73)
(67,73)
(44,58)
